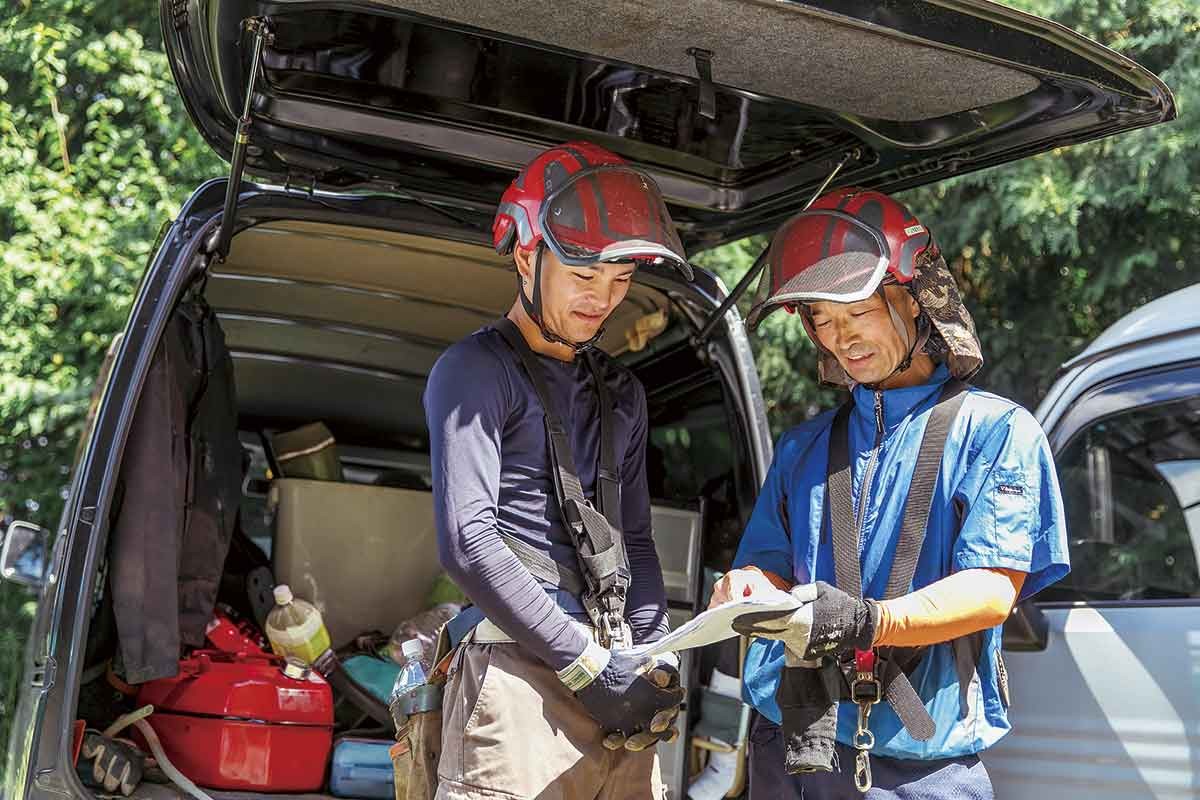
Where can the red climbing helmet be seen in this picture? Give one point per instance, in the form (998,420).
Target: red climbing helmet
(588,206)
(842,249)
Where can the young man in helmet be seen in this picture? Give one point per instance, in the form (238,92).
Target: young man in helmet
(908,524)
(521,413)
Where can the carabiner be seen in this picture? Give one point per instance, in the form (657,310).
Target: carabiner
(862,772)
(864,740)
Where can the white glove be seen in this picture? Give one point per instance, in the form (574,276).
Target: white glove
(792,629)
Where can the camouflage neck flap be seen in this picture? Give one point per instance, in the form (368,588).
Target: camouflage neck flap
(953,339)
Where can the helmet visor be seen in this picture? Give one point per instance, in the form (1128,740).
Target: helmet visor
(826,255)
(611,213)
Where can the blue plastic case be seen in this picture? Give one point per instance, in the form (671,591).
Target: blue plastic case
(362,768)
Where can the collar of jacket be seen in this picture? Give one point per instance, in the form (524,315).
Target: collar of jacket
(898,403)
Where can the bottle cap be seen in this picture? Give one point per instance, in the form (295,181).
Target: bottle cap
(283,594)
(412,648)
(296,669)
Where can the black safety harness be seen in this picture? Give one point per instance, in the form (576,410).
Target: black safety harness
(601,575)
(867,677)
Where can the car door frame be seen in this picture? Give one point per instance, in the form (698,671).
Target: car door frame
(1099,400)
(39,753)
(1097,403)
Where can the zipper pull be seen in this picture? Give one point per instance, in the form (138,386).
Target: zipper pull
(879,411)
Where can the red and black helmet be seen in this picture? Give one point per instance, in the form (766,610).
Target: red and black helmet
(588,206)
(842,248)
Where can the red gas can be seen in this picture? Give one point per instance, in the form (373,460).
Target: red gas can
(236,721)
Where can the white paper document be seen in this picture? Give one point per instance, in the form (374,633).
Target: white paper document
(715,625)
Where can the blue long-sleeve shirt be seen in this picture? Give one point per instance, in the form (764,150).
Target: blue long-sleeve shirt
(491,474)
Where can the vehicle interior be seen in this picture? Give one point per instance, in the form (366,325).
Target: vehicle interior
(341,324)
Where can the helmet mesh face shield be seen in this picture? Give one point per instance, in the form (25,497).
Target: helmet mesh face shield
(610,213)
(821,254)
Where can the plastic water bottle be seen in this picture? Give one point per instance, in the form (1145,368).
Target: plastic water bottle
(295,628)
(412,676)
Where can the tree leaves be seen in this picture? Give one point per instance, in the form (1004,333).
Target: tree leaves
(95,153)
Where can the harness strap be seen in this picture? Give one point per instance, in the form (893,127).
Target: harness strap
(894,664)
(839,500)
(599,544)
(608,476)
(544,567)
(921,488)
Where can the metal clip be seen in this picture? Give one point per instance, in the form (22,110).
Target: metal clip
(862,772)
(613,632)
(864,740)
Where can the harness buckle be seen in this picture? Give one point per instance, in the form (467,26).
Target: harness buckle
(607,614)
(614,633)
(865,687)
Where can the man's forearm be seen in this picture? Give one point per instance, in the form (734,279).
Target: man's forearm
(646,601)
(962,603)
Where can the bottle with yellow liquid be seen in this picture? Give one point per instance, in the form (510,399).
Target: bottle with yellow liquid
(295,628)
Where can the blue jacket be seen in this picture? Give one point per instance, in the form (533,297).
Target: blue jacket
(997,476)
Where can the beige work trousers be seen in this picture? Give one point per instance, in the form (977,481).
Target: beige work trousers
(512,731)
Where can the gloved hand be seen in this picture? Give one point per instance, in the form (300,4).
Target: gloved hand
(665,675)
(109,764)
(829,622)
(626,700)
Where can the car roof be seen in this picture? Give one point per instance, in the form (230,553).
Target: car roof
(1162,332)
(1169,315)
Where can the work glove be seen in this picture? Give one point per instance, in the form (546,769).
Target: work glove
(108,764)
(829,622)
(665,675)
(636,699)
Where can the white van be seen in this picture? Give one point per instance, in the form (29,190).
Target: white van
(1105,665)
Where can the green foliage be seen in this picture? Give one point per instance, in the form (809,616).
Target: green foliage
(95,154)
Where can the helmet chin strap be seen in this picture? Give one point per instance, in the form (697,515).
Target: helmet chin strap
(913,346)
(534,308)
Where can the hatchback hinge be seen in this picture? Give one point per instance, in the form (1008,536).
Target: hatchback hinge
(218,243)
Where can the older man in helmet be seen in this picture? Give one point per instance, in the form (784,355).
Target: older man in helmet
(538,452)
(907,524)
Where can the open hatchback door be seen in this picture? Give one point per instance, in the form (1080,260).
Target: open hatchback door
(740,108)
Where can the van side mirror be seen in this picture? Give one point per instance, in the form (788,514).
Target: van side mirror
(1027,629)
(23,556)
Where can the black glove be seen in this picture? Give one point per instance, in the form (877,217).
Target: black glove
(840,622)
(625,700)
(108,764)
(831,623)
(665,675)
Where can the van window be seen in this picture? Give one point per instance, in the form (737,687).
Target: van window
(1131,488)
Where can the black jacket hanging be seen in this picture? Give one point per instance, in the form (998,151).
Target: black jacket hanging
(179,489)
